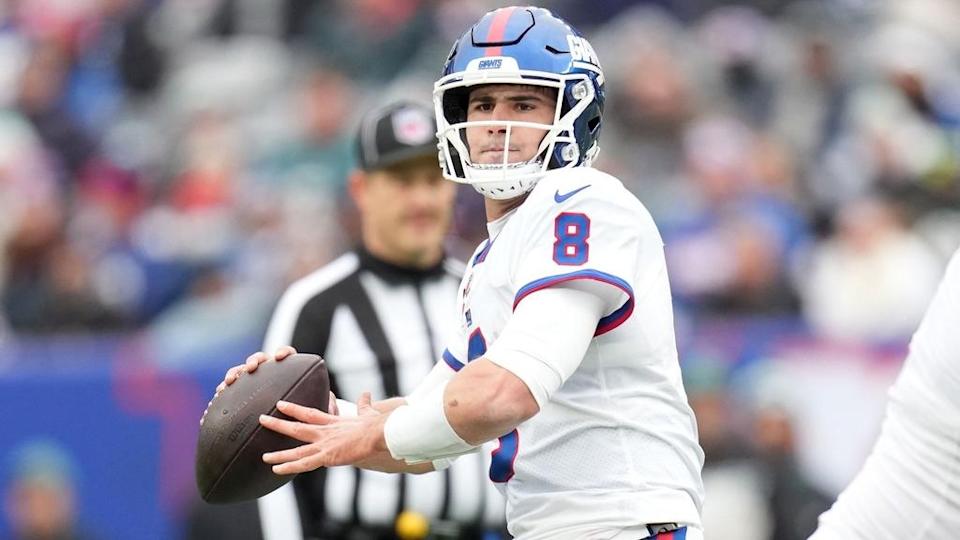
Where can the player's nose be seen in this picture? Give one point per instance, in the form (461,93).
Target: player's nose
(499,113)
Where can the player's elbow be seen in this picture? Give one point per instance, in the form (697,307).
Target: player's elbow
(509,402)
(495,400)
(515,400)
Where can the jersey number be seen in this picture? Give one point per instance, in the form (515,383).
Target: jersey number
(572,230)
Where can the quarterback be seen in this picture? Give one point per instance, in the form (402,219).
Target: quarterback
(566,352)
(910,484)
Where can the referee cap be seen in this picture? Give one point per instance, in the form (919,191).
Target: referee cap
(394,134)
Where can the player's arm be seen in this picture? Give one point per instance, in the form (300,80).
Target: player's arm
(382,460)
(349,414)
(540,347)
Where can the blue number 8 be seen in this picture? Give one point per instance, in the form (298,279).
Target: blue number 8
(571,231)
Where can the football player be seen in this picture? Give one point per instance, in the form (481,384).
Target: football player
(567,352)
(909,487)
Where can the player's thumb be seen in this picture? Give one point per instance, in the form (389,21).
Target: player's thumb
(332,407)
(365,403)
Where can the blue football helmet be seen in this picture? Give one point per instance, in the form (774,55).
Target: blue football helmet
(526,46)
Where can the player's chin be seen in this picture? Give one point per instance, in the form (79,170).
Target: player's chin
(495,157)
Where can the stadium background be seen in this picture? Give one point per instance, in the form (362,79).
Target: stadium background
(168,166)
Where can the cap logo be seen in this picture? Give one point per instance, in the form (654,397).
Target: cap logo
(412,127)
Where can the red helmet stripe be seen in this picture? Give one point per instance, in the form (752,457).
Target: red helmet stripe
(497,28)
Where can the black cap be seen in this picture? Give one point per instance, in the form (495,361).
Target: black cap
(396,133)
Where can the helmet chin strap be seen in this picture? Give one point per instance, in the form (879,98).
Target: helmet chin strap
(502,182)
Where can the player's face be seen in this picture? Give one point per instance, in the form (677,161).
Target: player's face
(406,212)
(503,102)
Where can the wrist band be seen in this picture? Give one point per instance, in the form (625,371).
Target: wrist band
(421,432)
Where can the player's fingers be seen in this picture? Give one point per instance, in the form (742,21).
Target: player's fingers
(295,430)
(284,352)
(292,454)
(304,414)
(365,401)
(332,407)
(299,466)
(232,374)
(254,360)
(220,388)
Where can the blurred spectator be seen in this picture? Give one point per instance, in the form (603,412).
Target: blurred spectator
(40,99)
(793,502)
(900,133)
(812,87)
(743,45)
(872,280)
(316,155)
(370,40)
(284,18)
(732,239)
(732,481)
(40,501)
(116,56)
(656,95)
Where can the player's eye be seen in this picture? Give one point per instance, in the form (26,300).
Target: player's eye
(483,106)
(524,106)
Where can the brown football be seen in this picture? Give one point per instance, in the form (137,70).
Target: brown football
(232,442)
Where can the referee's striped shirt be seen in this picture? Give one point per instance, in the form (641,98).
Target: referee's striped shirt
(380,328)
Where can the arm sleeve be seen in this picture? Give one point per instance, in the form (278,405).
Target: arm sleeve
(545,340)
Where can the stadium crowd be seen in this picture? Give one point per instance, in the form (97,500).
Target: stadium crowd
(168,164)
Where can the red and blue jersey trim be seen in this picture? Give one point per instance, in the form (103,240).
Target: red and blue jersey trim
(502,459)
(452,361)
(607,323)
(678,534)
(482,255)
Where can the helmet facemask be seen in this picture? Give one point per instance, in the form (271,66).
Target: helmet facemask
(509,178)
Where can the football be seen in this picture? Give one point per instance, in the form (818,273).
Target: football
(231,444)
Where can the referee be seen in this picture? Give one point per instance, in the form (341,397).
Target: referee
(379,315)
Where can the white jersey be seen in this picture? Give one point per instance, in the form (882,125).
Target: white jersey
(909,487)
(616,446)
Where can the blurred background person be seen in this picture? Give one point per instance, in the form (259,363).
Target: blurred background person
(41,500)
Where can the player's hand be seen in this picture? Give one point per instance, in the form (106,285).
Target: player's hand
(330,440)
(249,366)
(332,405)
(252,363)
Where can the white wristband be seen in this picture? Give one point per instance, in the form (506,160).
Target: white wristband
(420,432)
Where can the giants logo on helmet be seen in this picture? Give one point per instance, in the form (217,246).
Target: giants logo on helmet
(582,51)
(494,63)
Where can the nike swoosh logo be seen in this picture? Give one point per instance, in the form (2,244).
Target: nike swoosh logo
(560,198)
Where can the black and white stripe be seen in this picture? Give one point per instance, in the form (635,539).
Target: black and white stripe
(380,328)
